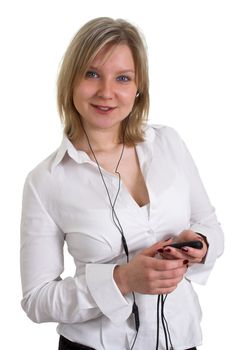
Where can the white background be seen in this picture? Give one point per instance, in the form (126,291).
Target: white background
(190,47)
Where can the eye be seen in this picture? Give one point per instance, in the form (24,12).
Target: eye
(123,78)
(91,74)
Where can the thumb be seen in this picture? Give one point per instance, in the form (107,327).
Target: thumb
(152,250)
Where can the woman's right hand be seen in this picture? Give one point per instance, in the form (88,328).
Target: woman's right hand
(146,273)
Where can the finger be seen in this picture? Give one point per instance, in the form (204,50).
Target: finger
(172,274)
(168,283)
(164,290)
(192,252)
(164,265)
(185,251)
(152,250)
(176,253)
(187,235)
(173,253)
(164,287)
(170,256)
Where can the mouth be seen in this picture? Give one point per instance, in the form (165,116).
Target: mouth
(103,109)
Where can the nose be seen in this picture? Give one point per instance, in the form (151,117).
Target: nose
(105,89)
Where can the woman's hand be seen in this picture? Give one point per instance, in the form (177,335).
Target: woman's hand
(146,273)
(192,254)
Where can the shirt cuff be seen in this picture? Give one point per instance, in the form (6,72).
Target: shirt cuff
(199,273)
(104,291)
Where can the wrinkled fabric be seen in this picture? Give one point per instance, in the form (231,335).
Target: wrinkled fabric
(64,201)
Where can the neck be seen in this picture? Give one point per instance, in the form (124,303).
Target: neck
(100,139)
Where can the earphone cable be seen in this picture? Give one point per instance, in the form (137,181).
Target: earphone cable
(116,220)
(157,335)
(114,215)
(161,298)
(163,320)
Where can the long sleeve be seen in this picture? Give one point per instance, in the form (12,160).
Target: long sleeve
(65,203)
(202,219)
(46,297)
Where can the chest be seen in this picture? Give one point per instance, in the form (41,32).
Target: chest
(80,205)
(128,167)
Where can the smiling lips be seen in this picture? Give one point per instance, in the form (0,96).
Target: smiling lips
(103,109)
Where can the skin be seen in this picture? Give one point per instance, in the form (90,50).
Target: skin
(104,98)
(109,82)
(192,254)
(147,273)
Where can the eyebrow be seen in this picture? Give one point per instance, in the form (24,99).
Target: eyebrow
(119,72)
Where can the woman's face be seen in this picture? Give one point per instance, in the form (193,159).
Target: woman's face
(106,94)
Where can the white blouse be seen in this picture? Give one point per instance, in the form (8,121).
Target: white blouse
(64,200)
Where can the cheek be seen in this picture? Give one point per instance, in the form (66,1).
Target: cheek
(76,96)
(128,98)
(79,96)
(83,91)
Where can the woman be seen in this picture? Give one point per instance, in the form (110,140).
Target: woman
(119,192)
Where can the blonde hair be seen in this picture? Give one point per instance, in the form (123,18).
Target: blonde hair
(84,47)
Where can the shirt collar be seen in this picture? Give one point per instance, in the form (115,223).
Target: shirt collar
(67,147)
(145,150)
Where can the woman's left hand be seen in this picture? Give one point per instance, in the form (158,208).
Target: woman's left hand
(192,254)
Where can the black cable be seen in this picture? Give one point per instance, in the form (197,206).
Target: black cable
(168,332)
(116,220)
(114,215)
(163,322)
(157,336)
(161,298)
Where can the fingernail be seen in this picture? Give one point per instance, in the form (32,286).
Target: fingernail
(200,237)
(167,250)
(185,249)
(160,250)
(185,262)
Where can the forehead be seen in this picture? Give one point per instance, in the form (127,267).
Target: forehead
(118,56)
